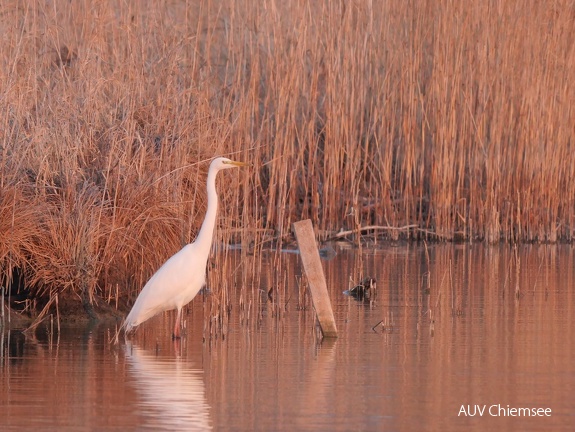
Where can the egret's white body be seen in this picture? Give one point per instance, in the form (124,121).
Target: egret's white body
(182,276)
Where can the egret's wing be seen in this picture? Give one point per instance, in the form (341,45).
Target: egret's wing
(168,287)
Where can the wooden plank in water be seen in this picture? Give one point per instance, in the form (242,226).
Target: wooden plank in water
(314,272)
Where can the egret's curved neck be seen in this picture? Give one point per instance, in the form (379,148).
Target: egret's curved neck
(206,234)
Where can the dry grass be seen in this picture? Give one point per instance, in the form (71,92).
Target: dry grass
(451,120)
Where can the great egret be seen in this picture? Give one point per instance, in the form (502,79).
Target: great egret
(180,278)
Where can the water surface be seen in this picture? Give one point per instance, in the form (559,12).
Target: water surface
(451,326)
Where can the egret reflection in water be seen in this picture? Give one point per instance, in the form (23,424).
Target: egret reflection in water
(171,392)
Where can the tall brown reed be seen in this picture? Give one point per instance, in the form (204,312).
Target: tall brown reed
(451,120)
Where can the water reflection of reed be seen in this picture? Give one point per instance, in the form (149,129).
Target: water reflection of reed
(493,324)
(69,381)
(464,324)
(460,324)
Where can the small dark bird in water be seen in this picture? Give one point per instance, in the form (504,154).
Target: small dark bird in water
(365,290)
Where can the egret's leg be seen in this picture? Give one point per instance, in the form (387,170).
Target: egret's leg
(177,326)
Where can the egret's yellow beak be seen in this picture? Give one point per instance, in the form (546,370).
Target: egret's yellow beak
(238,164)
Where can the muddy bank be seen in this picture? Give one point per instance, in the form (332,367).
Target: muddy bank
(66,310)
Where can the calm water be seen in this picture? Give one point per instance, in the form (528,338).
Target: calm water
(451,326)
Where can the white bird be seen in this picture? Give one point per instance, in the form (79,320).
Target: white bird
(182,276)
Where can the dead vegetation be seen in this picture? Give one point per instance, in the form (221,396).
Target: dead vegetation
(434,120)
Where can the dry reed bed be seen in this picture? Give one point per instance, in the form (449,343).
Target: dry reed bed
(451,119)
